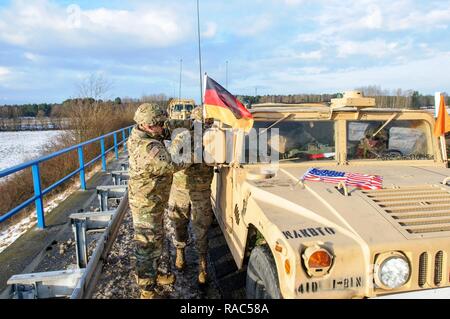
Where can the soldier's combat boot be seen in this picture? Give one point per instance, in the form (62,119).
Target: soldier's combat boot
(180,261)
(165,279)
(150,294)
(203,272)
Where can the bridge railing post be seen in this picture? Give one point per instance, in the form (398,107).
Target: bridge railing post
(124,138)
(38,194)
(102,144)
(116,146)
(82,169)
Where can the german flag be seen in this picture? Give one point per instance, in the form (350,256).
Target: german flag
(221,105)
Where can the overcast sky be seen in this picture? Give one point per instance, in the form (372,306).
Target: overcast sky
(279,46)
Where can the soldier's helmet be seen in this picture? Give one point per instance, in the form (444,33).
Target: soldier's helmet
(197,114)
(150,114)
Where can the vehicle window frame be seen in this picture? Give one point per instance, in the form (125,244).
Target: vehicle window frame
(429,136)
(334,161)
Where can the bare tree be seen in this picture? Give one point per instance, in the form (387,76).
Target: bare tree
(89,115)
(95,86)
(154,98)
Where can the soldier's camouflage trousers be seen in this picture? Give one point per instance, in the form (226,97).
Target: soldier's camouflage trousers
(148,201)
(185,205)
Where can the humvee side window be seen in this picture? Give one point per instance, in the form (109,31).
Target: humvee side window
(299,141)
(399,140)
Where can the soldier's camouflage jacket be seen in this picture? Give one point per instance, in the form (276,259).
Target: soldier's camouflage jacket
(149,158)
(197,177)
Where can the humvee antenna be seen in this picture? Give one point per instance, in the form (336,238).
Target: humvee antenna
(226,81)
(181,73)
(199,52)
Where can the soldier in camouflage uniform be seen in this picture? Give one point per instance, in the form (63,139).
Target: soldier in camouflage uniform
(372,146)
(190,199)
(151,172)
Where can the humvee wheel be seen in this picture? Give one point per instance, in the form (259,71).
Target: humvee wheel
(262,277)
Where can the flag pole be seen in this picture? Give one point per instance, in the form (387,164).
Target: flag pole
(443,141)
(226,80)
(439,101)
(199,52)
(205,80)
(444,148)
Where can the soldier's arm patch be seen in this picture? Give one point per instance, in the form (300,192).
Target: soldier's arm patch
(153,151)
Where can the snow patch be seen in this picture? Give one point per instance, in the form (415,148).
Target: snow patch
(18,147)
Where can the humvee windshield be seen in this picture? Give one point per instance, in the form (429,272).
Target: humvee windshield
(183,107)
(398,140)
(178,108)
(298,141)
(305,141)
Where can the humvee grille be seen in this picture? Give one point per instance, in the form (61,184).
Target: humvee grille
(438,268)
(423,269)
(420,211)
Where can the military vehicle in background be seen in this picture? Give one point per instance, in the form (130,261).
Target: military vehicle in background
(306,239)
(180,109)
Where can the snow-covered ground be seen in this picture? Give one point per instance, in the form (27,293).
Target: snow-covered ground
(18,147)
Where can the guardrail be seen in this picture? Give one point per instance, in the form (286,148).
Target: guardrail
(39,193)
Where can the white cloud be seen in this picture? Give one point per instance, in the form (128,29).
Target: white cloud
(312,55)
(374,18)
(426,75)
(41,23)
(292,2)
(5,76)
(4,71)
(32,57)
(375,48)
(351,17)
(292,54)
(313,70)
(211,30)
(434,19)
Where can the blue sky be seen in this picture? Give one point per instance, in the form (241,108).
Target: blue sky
(47,47)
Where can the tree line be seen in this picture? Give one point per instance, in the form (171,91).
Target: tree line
(384,98)
(398,98)
(58,109)
(26,110)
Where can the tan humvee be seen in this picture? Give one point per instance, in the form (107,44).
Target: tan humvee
(305,239)
(180,109)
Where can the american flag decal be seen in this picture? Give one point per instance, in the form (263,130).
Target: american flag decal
(363,181)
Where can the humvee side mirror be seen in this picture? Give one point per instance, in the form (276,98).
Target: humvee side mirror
(214,143)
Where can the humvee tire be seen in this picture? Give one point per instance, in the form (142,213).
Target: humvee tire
(262,278)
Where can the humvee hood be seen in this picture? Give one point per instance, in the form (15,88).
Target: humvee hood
(412,205)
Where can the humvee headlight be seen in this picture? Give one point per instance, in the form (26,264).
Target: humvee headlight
(317,261)
(392,271)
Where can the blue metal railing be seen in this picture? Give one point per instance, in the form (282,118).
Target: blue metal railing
(39,193)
